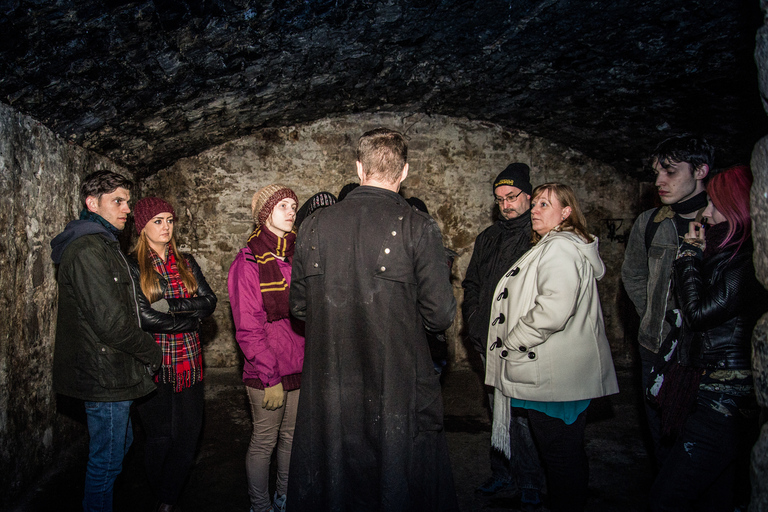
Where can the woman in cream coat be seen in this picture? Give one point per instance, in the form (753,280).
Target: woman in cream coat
(550,355)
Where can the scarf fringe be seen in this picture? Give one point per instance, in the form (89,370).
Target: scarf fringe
(502,416)
(180,380)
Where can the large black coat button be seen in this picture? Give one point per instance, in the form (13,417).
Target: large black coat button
(522,348)
(504,353)
(531,355)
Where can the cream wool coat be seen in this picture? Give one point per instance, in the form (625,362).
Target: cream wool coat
(551,344)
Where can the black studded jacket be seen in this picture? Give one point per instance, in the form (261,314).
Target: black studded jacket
(721,301)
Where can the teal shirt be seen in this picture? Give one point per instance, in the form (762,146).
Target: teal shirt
(566,411)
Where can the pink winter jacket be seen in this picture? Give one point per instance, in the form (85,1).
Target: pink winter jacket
(272,350)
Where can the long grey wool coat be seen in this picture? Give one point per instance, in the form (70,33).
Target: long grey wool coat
(369,276)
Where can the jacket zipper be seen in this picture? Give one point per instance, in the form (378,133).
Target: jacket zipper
(133,286)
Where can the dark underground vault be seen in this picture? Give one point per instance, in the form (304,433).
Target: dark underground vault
(205,102)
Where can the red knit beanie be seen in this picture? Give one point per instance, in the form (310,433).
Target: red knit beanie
(149,207)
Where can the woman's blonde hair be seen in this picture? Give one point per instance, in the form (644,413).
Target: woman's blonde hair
(565,196)
(150,279)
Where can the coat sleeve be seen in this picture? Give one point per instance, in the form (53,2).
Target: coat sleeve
(705,305)
(437,304)
(476,326)
(114,322)
(251,319)
(634,270)
(558,280)
(154,321)
(203,303)
(298,291)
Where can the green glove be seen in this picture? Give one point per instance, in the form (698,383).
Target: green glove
(273,397)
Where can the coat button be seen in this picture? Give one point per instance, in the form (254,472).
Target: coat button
(313,247)
(383,269)
(316,265)
(503,295)
(504,353)
(522,348)
(103,349)
(386,251)
(394,233)
(115,279)
(400,217)
(531,355)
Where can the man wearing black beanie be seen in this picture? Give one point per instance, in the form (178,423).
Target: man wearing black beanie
(496,249)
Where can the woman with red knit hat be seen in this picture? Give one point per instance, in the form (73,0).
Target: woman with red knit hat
(272,342)
(175,298)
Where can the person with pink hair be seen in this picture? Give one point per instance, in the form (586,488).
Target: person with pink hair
(706,394)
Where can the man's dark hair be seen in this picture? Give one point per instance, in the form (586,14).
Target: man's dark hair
(692,149)
(99,183)
(383,154)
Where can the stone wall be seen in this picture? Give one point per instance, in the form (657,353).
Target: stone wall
(39,180)
(452,165)
(759,207)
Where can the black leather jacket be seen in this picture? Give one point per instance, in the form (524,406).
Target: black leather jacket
(721,301)
(184,314)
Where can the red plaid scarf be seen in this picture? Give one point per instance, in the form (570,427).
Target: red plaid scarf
(265,245)
(182,358)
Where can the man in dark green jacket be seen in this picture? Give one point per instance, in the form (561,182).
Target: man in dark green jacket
(101,355)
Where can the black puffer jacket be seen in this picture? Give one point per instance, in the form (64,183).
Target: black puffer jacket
(721,302)
(184,314)
(496,249)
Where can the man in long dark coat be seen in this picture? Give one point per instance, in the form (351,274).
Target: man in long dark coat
(369,276)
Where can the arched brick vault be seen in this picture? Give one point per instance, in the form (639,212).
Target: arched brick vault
(148,82)
(205,101)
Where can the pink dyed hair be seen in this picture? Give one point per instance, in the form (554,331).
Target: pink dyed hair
(729,192)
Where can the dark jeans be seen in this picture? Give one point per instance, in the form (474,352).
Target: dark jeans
(524,469)
(700,471)
(652,414)
(111,434)
(172,422)
(561,449)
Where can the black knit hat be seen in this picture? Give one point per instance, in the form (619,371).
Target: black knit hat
(317,201)
(515,175)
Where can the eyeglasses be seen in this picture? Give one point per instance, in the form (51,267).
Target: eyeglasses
(510,198)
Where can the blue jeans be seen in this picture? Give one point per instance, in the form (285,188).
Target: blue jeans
(111,433)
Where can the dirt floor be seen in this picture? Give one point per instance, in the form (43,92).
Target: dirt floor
(620,472)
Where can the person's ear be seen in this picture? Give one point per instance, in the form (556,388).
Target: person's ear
(701,172)
(92,203)
(360,174)
(404,173)
(566,212)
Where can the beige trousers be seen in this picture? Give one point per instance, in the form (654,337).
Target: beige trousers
(270,429)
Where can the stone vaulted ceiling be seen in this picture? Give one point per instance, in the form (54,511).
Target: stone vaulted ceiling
(146,83)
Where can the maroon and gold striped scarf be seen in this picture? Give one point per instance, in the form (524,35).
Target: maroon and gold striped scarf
(265,245)
(182,358)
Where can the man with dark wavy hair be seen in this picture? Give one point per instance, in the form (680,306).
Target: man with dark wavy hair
(681,165)
(101,354)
